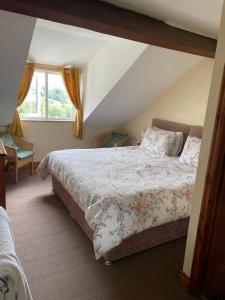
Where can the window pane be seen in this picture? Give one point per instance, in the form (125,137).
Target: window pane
(34,104)
(59,103)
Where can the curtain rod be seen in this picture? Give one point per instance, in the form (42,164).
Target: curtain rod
(46,67)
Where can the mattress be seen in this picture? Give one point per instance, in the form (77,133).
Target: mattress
(122,191)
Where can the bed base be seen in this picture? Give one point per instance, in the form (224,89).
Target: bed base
(136,243)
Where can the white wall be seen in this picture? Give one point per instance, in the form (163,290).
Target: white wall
(147,79)
(185,101)
(50,136)
(206,144)
(15,38)
(106,68)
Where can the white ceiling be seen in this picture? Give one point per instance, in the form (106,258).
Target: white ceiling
(151,75)
(201,16)
(59,44)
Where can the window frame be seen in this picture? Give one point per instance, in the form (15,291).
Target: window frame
(46,118)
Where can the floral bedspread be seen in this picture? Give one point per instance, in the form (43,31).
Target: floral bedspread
(122,190)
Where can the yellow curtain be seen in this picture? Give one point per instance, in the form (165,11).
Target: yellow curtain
(16,126)
(71,77)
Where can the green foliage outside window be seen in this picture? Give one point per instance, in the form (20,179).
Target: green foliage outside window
(56,109)
(59,105)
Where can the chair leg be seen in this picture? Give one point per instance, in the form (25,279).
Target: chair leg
(32,167)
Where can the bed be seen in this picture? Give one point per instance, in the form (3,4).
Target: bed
(124,200)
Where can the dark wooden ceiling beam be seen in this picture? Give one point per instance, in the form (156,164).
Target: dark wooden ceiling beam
(109,19)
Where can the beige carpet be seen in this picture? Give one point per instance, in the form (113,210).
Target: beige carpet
(59,261)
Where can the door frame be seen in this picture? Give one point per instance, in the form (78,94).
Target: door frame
(210,200)
(180,40)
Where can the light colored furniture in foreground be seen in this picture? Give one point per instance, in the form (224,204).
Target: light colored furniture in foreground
(19,154)
(102,139)
(13,282)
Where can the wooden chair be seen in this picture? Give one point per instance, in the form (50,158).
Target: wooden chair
(19,152)
(102,139)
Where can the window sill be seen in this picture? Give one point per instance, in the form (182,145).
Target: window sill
(46,120)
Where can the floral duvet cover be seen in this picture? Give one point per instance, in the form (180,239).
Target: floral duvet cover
(122,191)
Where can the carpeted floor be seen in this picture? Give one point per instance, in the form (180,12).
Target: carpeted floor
(59,261)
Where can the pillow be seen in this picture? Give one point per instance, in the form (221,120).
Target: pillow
(190,153)
(140,137)
(115,138)
(8,141)
(158,141)
(178,143)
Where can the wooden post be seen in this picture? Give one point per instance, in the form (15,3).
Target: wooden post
(203,274)
(2,175)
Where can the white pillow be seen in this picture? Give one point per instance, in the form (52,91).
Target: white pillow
(190,153)
(157,141)
(178,143)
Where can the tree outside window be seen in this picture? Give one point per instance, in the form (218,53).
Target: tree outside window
(47,99)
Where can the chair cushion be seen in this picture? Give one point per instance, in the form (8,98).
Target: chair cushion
(22,154)
(115,138)
(8,141)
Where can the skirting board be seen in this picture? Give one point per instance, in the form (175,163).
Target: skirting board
(184,280)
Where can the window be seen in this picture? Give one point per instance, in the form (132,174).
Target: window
(47,99)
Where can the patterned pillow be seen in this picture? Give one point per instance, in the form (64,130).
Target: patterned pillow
(177,145)
(158,141)
(190,153)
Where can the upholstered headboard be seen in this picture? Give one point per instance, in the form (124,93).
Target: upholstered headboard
(196,131)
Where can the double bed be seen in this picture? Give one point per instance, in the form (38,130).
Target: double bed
(124,199)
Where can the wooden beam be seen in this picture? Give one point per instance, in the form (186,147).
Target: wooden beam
(109,19)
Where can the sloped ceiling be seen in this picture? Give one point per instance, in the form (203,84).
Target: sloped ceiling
(15,36)
(200,16)
(106,69)
(59,44)
(148,78)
